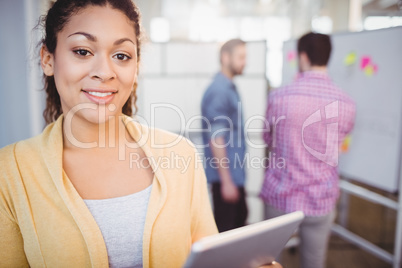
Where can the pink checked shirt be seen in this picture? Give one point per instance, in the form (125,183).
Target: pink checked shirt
(308,120)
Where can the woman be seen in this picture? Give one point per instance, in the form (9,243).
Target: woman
(91,191)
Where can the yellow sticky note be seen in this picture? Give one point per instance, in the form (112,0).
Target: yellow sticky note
(350,59)
(369,70)
(346,144)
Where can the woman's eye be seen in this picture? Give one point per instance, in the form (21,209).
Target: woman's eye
(123,57)
(82,52)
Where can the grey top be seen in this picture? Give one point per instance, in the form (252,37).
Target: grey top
(121,221)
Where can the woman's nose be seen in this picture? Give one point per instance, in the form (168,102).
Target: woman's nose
(103,69)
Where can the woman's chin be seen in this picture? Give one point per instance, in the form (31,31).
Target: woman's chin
(93,116)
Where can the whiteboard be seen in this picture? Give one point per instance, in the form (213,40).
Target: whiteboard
(368,66)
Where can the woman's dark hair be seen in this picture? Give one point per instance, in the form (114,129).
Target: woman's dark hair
(317,47)
(55,20)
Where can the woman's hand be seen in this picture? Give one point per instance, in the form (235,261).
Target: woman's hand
(274,264)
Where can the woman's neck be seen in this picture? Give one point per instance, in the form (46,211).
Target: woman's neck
(79,133)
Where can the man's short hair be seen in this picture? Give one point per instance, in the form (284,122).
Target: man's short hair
(317,47)
(229,46)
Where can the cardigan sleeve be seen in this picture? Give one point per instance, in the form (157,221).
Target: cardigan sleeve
(202,220)
(12,252)
(12,245)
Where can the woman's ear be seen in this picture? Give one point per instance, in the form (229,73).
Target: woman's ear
(46,61)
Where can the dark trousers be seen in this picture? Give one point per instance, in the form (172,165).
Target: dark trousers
(229,215)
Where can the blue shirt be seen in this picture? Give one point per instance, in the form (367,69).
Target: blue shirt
(222,112)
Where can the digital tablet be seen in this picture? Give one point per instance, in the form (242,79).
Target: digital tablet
(247,247)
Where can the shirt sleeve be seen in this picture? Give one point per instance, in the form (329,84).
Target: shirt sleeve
(202,219)
(350,114)
(216,110)
(352,118)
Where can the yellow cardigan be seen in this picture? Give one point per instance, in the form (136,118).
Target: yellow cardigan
(45,223)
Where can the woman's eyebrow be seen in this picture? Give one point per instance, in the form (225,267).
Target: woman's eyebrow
(90,37)
(122,40)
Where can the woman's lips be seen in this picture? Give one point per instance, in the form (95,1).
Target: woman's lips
(99,96)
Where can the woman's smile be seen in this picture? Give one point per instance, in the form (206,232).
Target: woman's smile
(100,96)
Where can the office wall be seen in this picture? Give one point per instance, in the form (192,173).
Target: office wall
(20,98)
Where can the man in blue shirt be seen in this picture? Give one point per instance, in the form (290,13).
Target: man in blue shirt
(224,139)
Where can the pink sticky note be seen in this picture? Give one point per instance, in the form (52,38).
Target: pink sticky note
(291,55)
(375,68)
(365,60)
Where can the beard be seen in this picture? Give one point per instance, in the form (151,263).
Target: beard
(236,71)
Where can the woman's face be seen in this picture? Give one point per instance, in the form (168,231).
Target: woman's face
(94,64)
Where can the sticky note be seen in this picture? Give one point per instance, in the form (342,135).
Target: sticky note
(365,60)
(350,59)
(368,66)
(375,67)
(369,70)
(291,56)
(346,143)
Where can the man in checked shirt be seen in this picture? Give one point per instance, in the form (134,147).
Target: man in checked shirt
(308,121)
